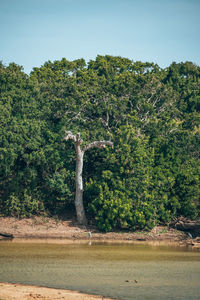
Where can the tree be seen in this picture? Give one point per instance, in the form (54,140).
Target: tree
(79,168)
(151,115)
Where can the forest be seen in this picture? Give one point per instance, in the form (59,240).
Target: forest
(151,115)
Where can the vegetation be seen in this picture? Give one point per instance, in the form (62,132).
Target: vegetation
(151,115)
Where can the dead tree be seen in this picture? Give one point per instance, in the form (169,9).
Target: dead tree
(80,212)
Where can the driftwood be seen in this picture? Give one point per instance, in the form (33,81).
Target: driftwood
(188,225)
(6,235)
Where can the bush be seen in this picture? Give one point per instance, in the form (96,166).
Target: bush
(115,209)
(21,206)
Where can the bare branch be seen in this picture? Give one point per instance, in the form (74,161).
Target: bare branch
(77,115)
(69,136)
(98,144)
(105,122)
(76,138)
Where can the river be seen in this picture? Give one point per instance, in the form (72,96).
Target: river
(122,271)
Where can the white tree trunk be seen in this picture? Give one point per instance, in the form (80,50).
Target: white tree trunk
(80,212)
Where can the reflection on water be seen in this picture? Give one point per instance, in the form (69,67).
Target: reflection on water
(123,271)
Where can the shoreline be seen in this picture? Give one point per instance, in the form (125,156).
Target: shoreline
(50,228)
(90,242)
(16,291)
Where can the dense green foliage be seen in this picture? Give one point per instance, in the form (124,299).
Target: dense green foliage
(151,114)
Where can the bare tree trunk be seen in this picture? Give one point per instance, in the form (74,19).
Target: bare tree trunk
(80,212)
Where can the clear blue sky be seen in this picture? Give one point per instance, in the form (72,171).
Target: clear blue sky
(162,31)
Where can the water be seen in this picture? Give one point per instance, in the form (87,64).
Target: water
(122,271)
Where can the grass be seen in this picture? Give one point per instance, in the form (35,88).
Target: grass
(142,232)
(164,230)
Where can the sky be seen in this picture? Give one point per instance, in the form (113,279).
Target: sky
(160,31)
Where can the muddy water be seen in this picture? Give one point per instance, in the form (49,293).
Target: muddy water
(122,271)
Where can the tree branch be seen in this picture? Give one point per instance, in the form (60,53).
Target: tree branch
(69,136)
(98,144)
(76,138)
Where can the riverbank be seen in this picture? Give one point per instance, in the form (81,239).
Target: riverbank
(13,291)
(44,227)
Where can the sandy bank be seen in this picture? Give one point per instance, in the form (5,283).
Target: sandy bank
(10,291)
(43,227)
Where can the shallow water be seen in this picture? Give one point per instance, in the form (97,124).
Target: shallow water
(122,271)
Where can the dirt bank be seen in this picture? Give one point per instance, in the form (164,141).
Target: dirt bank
(10,291)
(43,227)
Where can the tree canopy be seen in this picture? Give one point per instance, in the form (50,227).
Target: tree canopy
(152,116)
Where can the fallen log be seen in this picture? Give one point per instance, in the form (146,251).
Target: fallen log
(188,225)
(7,235)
